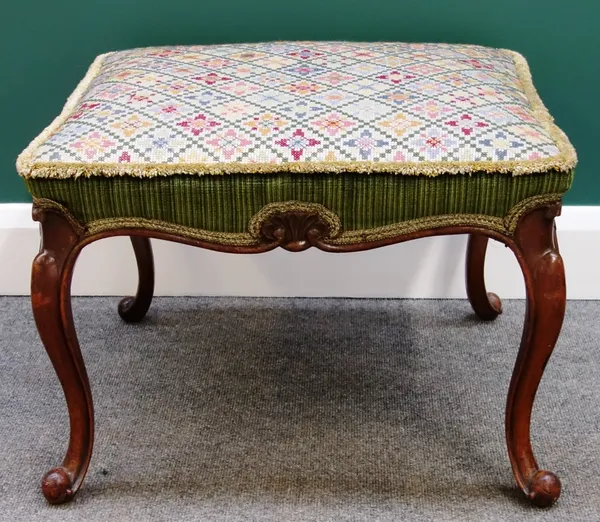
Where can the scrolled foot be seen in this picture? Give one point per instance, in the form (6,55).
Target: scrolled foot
(543,488)
(57,486)
(129,312)
(495,305)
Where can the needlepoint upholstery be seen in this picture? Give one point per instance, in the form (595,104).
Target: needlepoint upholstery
(205,136)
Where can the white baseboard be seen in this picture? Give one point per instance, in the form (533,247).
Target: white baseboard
(427,268)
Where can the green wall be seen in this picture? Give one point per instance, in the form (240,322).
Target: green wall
(46,47)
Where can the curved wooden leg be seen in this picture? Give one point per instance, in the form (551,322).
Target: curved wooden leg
(51,301)
(543,270)
(486,305)
(133,309)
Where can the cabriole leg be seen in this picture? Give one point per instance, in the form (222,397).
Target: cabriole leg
(133,309)
(51,301)
(486,305)
(544,274)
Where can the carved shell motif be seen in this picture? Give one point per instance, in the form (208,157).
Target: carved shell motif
(294,225)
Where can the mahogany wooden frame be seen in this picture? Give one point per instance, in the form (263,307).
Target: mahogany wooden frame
(533,243)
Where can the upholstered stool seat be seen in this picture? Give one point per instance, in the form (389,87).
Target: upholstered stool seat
(339,145)
(380,134)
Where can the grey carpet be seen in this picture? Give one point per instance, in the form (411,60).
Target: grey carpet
(298,410)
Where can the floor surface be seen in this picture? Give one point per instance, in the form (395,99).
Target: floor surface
(228,409)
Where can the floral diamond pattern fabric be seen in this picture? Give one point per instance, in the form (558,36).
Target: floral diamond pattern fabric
(302,106)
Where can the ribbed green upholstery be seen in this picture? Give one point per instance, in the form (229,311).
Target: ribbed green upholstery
(226,203)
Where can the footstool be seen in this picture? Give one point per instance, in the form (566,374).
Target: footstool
(341,146)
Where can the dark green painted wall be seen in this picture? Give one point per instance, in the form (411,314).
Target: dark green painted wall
(46,48)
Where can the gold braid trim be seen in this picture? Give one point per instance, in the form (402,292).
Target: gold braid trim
(565,161)
(219,238)
(505,225)
(53,206)
(417,225)
(511,220)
